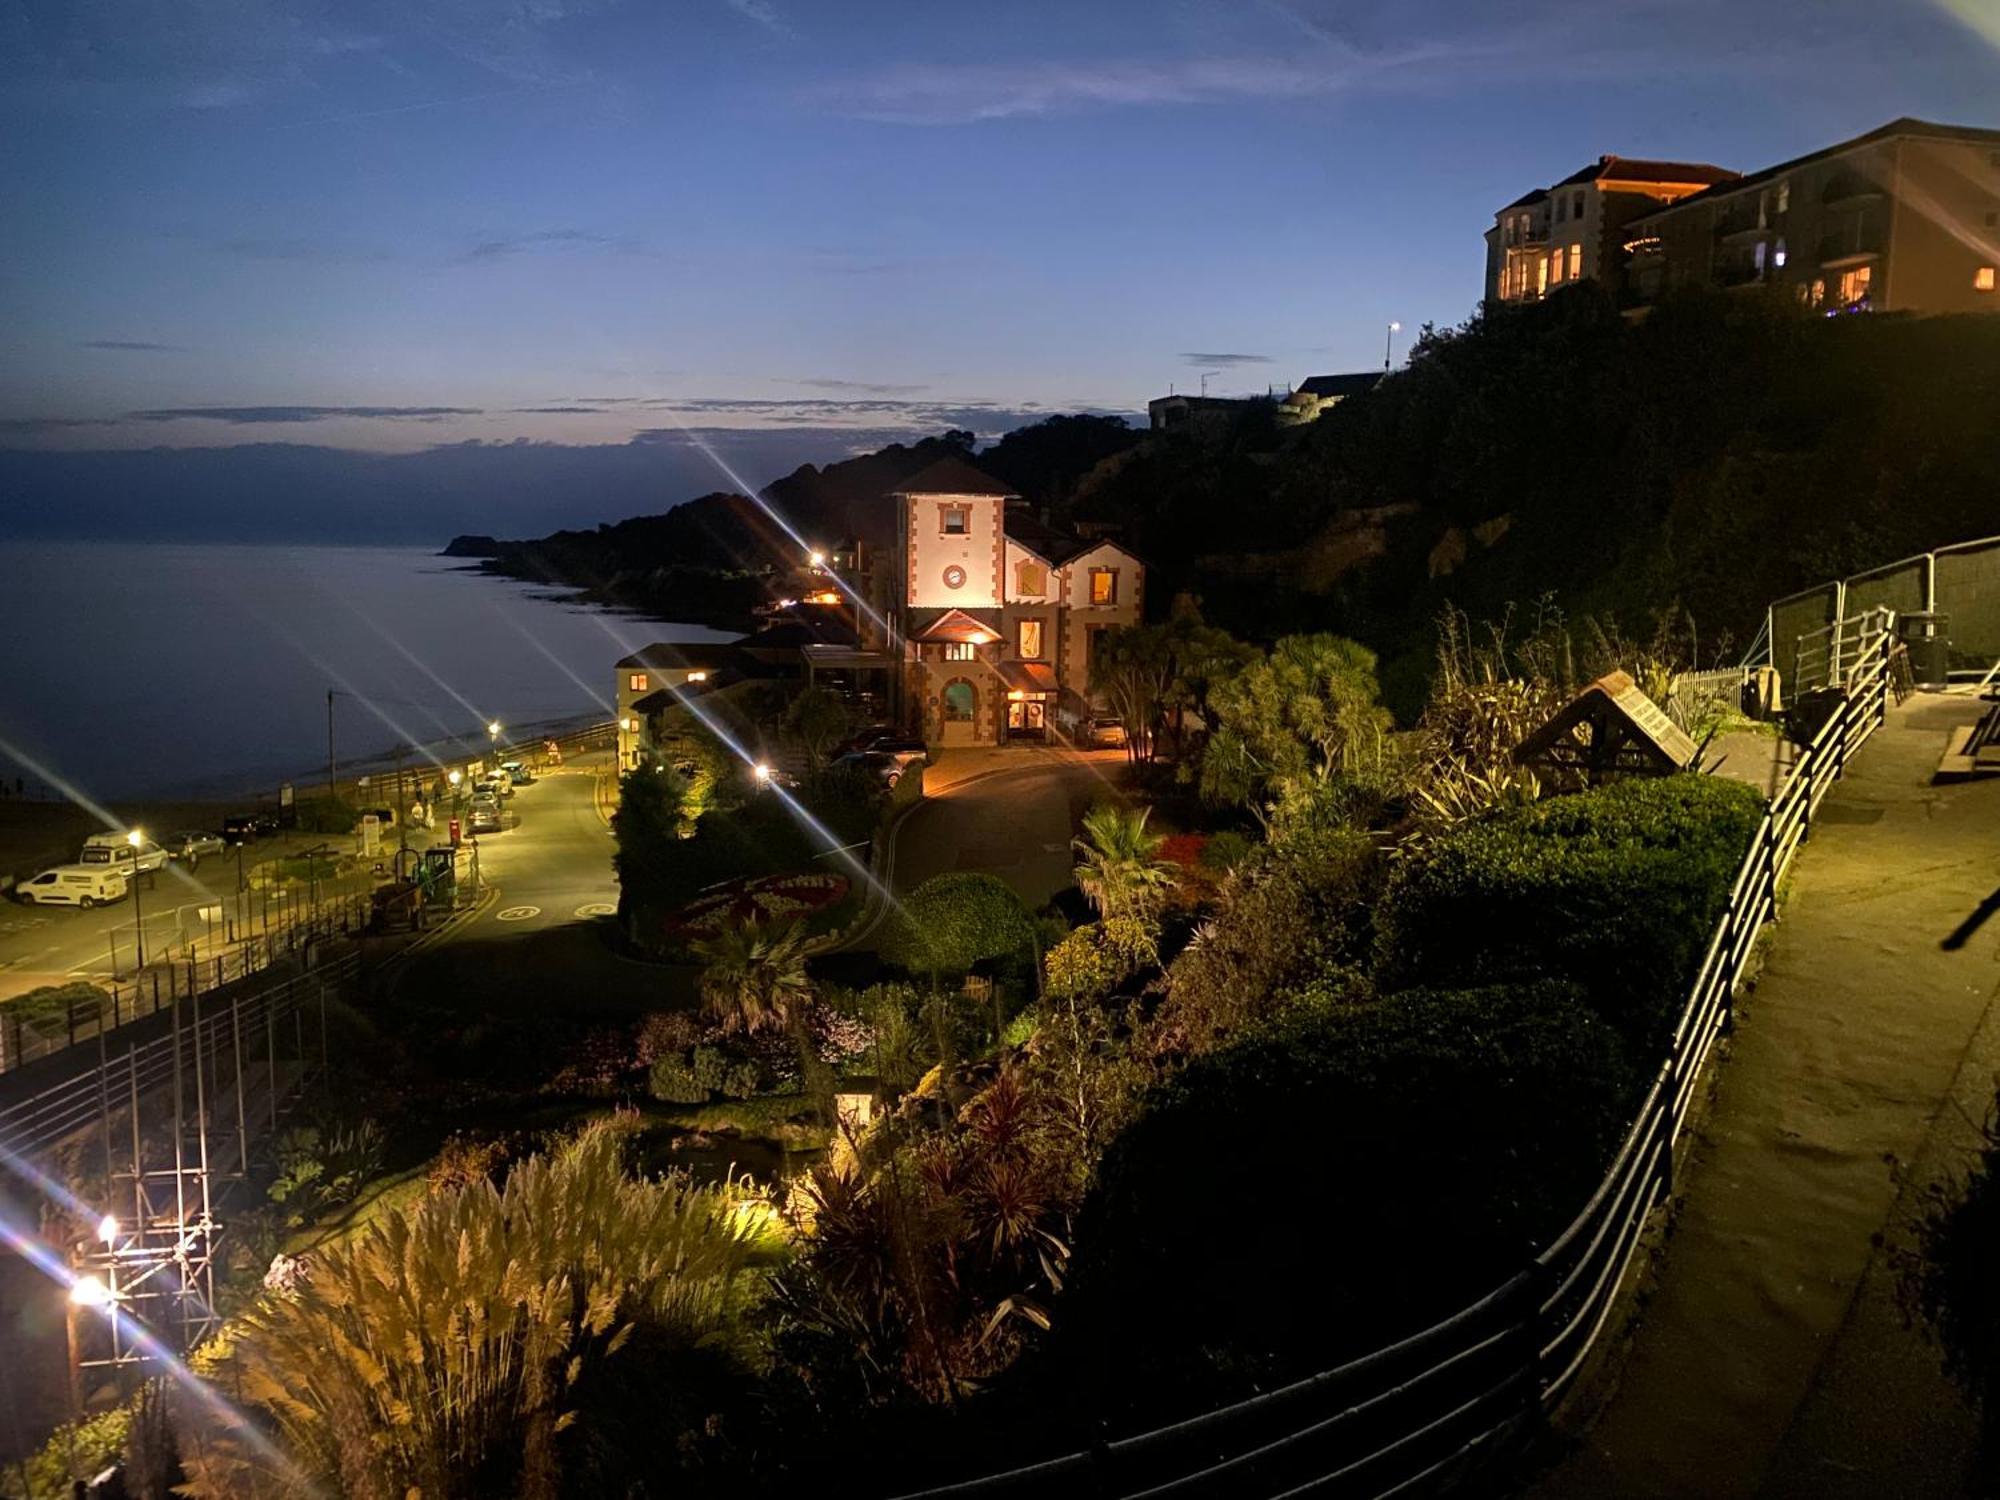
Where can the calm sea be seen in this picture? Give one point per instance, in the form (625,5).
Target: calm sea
(203,670)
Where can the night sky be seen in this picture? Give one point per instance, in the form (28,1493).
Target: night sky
(391,225)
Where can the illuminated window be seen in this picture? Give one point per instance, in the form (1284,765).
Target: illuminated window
(954,520)
(1982,279)
(1575,261)
(1542,275)
(960,651)
(1778,256)
(1818,291)
(1103,585)
(1784,197)
(637,682)
(1030,641)
(1031,578)
(959,701)
(1854,285)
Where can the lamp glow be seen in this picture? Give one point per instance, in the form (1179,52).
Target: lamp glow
(107,1229)
(135,838)
(456,777)
(761,771)
(818,559)
(88,1291)
(697,677)
(494,729)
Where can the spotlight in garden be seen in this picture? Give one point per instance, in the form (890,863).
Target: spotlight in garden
(762,772)
(88,1291)
(107,1229)
(817,559)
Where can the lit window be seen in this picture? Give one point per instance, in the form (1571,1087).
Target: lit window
(1818,290)
(637,682)
(1542,275)
(1103,585)
(956,521)
(1784,197)
(1778,256)
(959,701)
(1030,642)
(1757,256)
(1982,279)
(1575,261)
(1031,578)
(960,651)
(1854,285)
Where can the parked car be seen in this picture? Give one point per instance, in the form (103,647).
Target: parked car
(117,849)
(885,766)
(190,845)
(1106,731)
(517,774)
(498,782)
(247,828)
(73,885)
(905,748)
(486,816)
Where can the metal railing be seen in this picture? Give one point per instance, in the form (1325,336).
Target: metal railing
(247,1024)
(26,1036)
(1829,656)
(1432,1406)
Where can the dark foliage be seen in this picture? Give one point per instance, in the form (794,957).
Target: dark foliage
(1334,1181)
(1616,889)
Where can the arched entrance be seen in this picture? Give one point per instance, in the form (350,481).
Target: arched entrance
(958,706)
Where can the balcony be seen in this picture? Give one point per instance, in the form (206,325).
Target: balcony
(1849,245)
(1849,188)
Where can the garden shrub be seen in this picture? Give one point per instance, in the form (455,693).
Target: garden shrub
(1226,849)
(952,922)
(1338,1179)
(1291,915)
(1616,889)
(694,1078)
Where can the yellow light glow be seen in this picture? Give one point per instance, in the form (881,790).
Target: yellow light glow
(1016,695)
(494,729)
(135,838)
(697,677)
(761,772)
(818,559)
(456,777)
(88,1291)
(107,1228)
(625,725)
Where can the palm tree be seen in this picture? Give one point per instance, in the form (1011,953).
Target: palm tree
(1118,863)
(755,980)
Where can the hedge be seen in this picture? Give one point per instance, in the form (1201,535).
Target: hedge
(1617,889)
(952,922)
(1334,1181)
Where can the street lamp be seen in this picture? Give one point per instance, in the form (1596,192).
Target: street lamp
(817,559)
(1389,342)
(762,772)
(135,838)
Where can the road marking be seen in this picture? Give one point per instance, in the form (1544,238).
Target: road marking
(517,914)
(598,909)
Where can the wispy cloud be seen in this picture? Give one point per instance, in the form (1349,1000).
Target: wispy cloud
(258,415)
(870,387)
(298,249)
(28,426)
(544,239)
(1226,361)
(764,14)
(132,346)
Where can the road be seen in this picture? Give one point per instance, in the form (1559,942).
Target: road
(50,944)
(1010,813)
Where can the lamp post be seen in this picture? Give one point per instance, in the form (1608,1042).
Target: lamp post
(1389,343)
(626,755)
(493,734)
(135,838)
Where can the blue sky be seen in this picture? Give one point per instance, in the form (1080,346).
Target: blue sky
(391,224)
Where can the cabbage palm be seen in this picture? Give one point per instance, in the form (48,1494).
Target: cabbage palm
(755,979)
(1118,863)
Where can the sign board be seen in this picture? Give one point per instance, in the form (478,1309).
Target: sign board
(371,835)
(285,794)
(1609,729)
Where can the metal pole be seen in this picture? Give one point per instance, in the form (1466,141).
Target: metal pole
(329,745)
(242,1121)
(138,920)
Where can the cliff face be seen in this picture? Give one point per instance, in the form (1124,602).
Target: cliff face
(471,546)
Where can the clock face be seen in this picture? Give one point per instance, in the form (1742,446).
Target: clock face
(954,577)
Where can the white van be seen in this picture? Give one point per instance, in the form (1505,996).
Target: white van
(116,849)
(73,885)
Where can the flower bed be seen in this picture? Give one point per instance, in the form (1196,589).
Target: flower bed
(762,898)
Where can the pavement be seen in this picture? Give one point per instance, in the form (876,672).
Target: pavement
(1771,1359)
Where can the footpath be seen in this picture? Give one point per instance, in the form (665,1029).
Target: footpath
(1771,1358)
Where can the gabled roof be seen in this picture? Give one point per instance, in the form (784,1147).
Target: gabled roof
(1905,125)
(952,476)
(1053,546)
(957,625)
(1640,169)
(673,656)
(1336,386)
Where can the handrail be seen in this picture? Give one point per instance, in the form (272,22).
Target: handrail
(1594,1252)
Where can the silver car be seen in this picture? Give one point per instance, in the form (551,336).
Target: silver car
(192,845)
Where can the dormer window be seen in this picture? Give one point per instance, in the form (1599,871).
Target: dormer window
(1103,585)
(1031,579)
(636,683)
(954,520)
